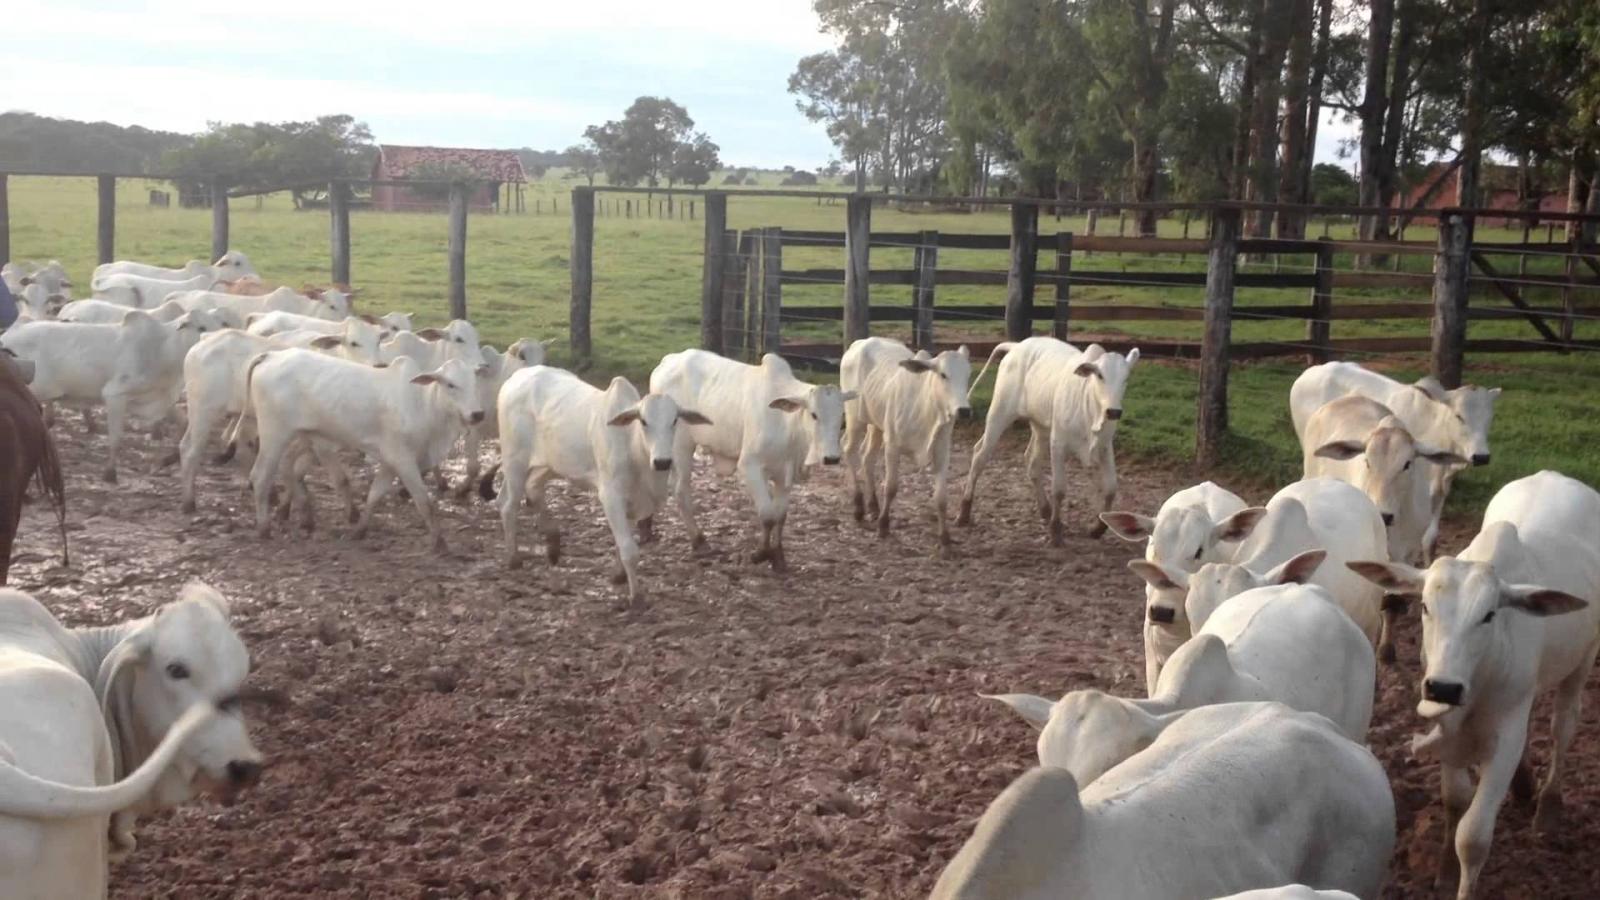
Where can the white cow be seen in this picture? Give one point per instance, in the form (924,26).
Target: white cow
(270,323)
(36,304)
(100,725)
(768,426)
(214,387)
(1228,798)
(405,421)
(230,266)
(499,368)
(1515,616)
(431,347)
(101,312)
(332,305)
(52,276)
(1289,643)
(133,368)
(1314,514)
(1072,401)
(613,442)
(1455,420)
(1362,442)
(1290,892)
(139,292)
(906,405)
(1202,517)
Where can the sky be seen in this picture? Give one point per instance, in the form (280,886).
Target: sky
(470,73)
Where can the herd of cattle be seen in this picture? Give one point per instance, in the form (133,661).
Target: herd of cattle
(1263,626)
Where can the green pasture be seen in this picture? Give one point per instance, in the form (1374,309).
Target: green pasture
(647,290)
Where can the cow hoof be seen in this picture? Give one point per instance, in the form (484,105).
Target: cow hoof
(1098,529)
(619,577)
(358,533)
(109,476)
(513,561)
(779,564)
(1045,512)
(352,515)
(170,460)
(883,526)
(188,507)
(874,510)
(440,547)
(1547,818)
(860,507)
(965,516)
(1523,786)
(761,555)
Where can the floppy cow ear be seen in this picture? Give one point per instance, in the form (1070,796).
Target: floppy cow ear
(847,396)
(201,592)
(787,404)
(1133,356)
(1396,578)
(429,334)
(626,417)
(691,417)
(1299,569)
(963,351)
(481,371)
(1158,576)
(113,686)
(425,378)
(1442,457)
(1129,526)
(1033,709)
(915,365)
(327,342)
(1088,370)
(1539,601)
(1340,450)
(1430,386)
(1238,526)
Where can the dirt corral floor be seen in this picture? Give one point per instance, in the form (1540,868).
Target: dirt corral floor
(452,729)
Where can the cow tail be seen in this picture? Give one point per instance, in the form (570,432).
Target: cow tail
(232,447)
(53,486)
(1002,347)
(486,483)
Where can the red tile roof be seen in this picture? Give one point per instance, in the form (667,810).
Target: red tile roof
(399,161)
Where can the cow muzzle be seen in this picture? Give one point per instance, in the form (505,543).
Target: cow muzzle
(243,773)
(476,418)
(1480,459)
(1113,415)
(830,460)
(964,412)
(1437,690)
(662,465)
(1162,615)
(1388,519)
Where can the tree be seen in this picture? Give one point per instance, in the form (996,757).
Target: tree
(644,143)
(584,159)
(693,161)
(265,155)
(1332,185)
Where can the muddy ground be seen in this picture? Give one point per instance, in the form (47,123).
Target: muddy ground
(452,729)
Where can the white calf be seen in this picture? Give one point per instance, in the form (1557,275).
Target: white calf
(1290,892)
(1394,468)
(99,725)
(1290,644)
(271,323)
(767,425)
(431,347)
(1072,401)
(51,276)
(522,353)
(133,368)
(1297,800)
(906,405)
(138,292)
(1494,638)
(230,266)
(405,421)
(335,306)
(614,442)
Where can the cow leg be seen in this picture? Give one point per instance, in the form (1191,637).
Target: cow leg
(10,517)
(410,476)
(767,513)
(1476,831)
(891,480)
(683,491)
(328,456)
(1389,611)
(471,445)
(1455,784)
(543,520)
(941,490)
(116,423)
(1056,507)
(616,510)
(1564,724)
(1000,417)
(516,487)
(1103,463)
(855,434)
(191,447)
(264,476)
(1033,464)
(89,426)
(875,443)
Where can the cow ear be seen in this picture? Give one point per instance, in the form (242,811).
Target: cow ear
(113,685)
(1299,569)
(691,417)
(1396,578)
(963,351)
(787,404)
(1239,526)
(481,371)
(915,365)
(429,334)
(1430,386)
(1340,450)
(425,378)
(626,417)
(847,396)
(327,342)
(1088,370)
(1158,576)
(26,280)
(200,592)
(1133,356)
(1033,709)
(1129,526)
(1539,601)
(1442,457)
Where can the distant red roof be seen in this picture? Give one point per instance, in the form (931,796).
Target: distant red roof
(399,161)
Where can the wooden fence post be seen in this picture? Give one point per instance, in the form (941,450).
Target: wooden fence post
(733,333)
(1211,414)
(339,231)
(581,265)
(1450,299)
(458,250)
(219,218)
(1569,298)
(107,235)
(711,273)
(749,257)
(1318,328)
(925,259)
(771,289)
(1063,311)
(1092,223)
(857,250)
(5,219)
(1021,276)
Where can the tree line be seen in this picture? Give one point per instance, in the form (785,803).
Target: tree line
(1143,100)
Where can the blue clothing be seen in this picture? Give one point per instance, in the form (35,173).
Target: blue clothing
(8,306)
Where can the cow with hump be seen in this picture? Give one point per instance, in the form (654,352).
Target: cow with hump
(1229,798)
(614,442)
(906,405)
(1516,615)
(766,425)
(100,725)
(1072,401)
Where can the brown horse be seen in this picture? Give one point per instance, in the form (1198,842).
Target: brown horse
(26,453)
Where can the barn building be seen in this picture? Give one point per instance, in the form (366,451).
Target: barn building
(1439,188)
(498,173)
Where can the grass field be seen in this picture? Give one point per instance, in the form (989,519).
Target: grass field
(647,285)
